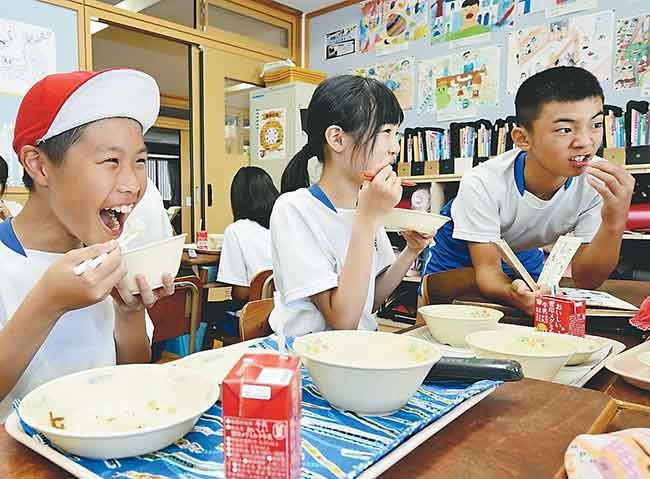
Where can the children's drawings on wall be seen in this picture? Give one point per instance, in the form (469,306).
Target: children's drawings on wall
(583,41)
(399,76)
(388,26)
(27,54)
(457,85)
(564,7)
(631,69)
(452,20)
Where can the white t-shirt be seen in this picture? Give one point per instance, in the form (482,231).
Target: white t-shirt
(245,252)
(80,340)
(150,213)
(492,203)
(309,243)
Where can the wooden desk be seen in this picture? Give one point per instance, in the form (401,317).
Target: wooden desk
(520,430)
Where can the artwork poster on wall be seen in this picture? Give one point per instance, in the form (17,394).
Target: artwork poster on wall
(456,86)
(272,127)
(584,41)
(631,69)
(341,42)
(565,7)
(456,20)
(397,75)
(387,26)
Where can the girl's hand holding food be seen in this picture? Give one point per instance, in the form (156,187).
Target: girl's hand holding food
(379,196)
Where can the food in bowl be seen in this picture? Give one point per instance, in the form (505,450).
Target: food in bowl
(585,349)
(450,323)
(119,411)
(400,219)
(540,354)
(366,372)
(153,261)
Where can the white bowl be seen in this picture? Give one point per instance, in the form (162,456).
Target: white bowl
(153,260)
(215,241)
(450,323)
(400,219)
(586,347)
(119,411)
(366,372)
(644,358)
(541,355)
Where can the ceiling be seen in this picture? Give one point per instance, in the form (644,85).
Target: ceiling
(308,5)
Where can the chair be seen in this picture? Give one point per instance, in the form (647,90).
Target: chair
(254,319)
(179,313)
(447,286)
(268,288)
(257,284)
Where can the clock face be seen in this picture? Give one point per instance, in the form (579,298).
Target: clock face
(272,135)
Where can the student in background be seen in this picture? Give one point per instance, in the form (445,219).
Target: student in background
(333,264)
(551,184)
(8,209)
(79,138)
(246,246)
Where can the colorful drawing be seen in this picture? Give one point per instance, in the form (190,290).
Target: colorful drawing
(631,69)
(457,85)
(399,76)
(583,41)
(272,126)
(389,25)
(460,19)
(564,7)
(341,42)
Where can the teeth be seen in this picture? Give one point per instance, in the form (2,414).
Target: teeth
(122,208)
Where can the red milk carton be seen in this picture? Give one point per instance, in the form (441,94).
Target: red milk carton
(261,401)
(202,239)
(557,314)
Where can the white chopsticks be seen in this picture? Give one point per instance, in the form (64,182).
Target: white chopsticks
(91,264)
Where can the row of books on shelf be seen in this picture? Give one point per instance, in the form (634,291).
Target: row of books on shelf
(434,151)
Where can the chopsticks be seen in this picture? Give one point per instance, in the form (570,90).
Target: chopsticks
(91,264)
(368,176)
(513,261)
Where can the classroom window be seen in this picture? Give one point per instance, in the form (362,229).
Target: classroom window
(177,11)
(237,120)
(241,24)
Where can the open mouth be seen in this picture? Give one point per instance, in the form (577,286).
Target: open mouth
(469,16)
(114,217)
(580,160)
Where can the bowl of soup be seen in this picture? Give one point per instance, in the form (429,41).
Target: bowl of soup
(366,372)
(540,354)
(119,411)
(451,323)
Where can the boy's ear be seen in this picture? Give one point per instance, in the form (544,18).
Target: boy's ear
(521,138)
(33,162)
(335,138)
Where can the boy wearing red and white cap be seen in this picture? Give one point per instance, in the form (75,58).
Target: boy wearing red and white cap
(79,137)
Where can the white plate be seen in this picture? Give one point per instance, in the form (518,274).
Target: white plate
(630,368)
(401,219)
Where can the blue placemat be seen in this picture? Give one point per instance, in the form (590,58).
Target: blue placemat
(335,444)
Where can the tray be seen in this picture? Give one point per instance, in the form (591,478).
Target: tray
(569,375)
(14,429)
(630,368)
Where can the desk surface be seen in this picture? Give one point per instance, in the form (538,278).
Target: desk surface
(520,430)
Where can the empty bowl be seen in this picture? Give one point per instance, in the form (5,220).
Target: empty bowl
(541,355)
(215,241)
(400,219)
(586,347)
(119,411)
(450,323)
(153,261)
(366,372)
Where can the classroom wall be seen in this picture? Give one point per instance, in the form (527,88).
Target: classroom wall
(423,50)
(63,22)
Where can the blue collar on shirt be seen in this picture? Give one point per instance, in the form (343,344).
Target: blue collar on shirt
(9,239)
(320,195)
(520,163)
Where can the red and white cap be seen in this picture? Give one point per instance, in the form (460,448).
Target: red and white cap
(63,101)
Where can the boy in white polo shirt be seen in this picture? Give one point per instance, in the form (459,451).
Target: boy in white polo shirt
(79,138)
(551,184)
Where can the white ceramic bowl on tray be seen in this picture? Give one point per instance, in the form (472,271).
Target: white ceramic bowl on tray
(541,355)
(153,260)
(451,323)
(366,372)
(401,219)
(119,411)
